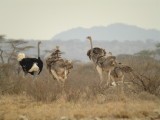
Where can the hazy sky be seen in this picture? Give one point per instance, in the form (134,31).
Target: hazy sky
(42,19)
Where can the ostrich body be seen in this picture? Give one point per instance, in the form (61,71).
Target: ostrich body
(95,53)
(102,62)
(117,74)
(58,67)
(31,65)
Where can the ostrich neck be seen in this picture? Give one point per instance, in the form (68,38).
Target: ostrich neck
(38,51)
(91,44)
(91,47)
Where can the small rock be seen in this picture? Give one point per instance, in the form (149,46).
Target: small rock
(97,118)
(64,118)
(157,111)
(22,117)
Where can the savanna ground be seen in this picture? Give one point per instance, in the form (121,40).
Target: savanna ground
(82,98)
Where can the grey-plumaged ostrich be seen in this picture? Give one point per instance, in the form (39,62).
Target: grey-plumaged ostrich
(102,62)
(118,73)
(58,67)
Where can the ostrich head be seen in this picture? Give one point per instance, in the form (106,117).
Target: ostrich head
(57,47)
(20,56)
(89,37)
(39,42)
(110,53)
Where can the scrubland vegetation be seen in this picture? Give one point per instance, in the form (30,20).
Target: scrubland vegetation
(81,98)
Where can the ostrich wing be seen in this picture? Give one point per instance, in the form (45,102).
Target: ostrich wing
(89,54)
(125,68)
(96,52)
(106,62)
(99,51)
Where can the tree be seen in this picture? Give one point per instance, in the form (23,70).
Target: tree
(15,48)
(158,45)
(145,53)
(2,39)
(157,49)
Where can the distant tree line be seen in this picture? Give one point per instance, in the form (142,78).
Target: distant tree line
(150,53)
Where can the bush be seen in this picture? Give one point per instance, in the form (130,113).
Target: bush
(82,83)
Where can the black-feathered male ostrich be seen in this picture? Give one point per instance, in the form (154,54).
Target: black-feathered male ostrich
(31,65)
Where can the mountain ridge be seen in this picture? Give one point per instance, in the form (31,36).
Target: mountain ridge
(117,31)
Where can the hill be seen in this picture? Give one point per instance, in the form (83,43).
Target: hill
(118,31)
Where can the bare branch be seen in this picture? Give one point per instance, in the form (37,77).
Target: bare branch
(1,55)
(16,42)
(24,48)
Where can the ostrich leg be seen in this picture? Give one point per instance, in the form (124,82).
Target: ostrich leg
(109,78)
(55,75)
(100,72)
(122,86)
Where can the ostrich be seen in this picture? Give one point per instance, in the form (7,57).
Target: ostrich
(31,65)
(102,62)
(95,52)
(117,74)
(58,67)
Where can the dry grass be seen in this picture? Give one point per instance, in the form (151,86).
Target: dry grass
(81,98)
(14,106)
